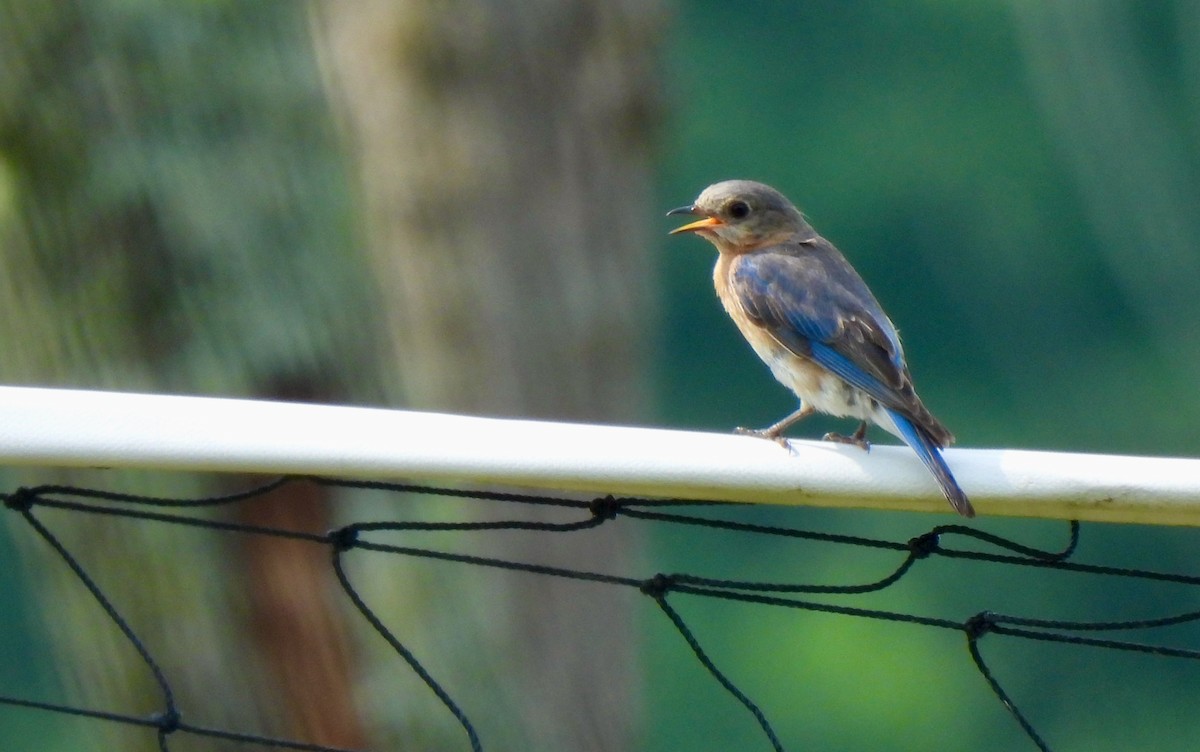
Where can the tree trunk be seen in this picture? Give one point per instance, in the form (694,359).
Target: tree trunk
(503,151)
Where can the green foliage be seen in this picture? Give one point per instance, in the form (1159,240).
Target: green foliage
(183,207)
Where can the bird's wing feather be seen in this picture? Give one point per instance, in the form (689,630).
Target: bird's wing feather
(815,305)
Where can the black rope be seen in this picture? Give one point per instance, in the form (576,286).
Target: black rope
(170,712)
(589,513)
(976,627)
(175,724)
(657,588)
(346,539)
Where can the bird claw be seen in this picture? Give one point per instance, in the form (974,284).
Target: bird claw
(763,433)
(857,441)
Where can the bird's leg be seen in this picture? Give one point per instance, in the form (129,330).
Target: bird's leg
(858,438)
(775,432)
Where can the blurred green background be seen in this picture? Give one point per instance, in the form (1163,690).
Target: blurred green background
(1020,185)
(1018,182)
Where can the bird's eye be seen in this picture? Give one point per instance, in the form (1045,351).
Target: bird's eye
(738,209)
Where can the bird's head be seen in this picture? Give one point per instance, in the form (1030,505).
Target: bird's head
(740,215)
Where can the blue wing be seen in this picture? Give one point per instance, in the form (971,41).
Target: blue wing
(810,300)
(813,303)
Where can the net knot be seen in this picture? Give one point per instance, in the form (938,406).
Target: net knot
(20,500)
(980,624)
(923,545)
(605,507)
(344,538)
(658,586)
(167,721)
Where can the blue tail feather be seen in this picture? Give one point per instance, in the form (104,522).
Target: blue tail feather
(931,456)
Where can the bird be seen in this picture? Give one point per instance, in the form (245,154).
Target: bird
(809,315)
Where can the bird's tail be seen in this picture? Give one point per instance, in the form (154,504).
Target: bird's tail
(929,452)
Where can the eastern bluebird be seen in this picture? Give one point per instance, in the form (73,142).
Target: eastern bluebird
(811,318)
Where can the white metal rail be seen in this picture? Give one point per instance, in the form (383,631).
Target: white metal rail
(61,427)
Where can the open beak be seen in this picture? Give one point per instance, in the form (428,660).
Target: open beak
(699,224)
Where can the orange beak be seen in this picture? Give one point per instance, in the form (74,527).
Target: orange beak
(699,224)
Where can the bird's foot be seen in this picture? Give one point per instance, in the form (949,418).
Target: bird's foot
(765,433)
(855,440)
